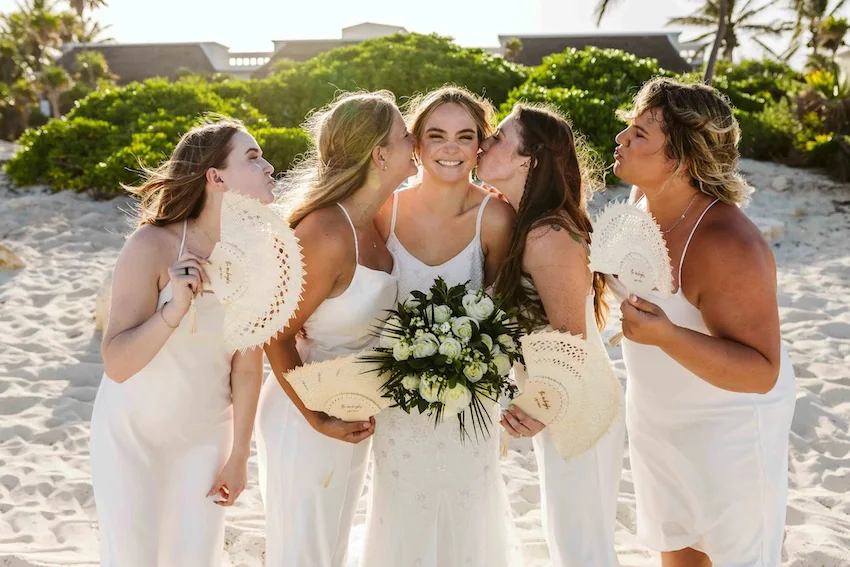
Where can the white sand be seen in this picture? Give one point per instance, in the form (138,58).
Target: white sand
(50,367)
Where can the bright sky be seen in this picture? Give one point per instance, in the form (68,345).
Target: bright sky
(252,25)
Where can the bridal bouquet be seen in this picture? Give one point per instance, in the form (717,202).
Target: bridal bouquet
(445,351)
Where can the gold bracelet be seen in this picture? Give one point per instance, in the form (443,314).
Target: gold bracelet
(161,314)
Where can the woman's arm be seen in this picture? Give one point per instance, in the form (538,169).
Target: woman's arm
(327,248)
(246,378)
(733,272)
(497,226)
(557,264)
(136,332)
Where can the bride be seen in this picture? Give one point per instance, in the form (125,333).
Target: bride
(438,500)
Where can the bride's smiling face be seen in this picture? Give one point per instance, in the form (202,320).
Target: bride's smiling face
(448,148)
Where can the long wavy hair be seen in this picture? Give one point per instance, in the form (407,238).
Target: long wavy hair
(557,189)
(176,190)
(344,133)
(702,135)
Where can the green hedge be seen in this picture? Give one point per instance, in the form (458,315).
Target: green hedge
(103,140)
(405,64)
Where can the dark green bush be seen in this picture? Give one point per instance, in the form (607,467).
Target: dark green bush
(404,64)
(282,146)
(592,117)
(769,134)
(608,74)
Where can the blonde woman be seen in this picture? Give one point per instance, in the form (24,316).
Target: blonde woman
(711,391)
(438,500)
(172,421)
(313,466)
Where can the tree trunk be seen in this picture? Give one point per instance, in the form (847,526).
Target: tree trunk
(25,118)
(53,98)
(718,39)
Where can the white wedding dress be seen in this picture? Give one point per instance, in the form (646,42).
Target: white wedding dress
(437,500)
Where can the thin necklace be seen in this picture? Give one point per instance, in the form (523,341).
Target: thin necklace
(207,234)
(685,212)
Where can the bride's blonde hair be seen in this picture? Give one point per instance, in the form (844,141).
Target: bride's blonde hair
(702,135)
(344,133)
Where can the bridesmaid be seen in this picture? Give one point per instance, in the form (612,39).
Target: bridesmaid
(313,466)
(532,159)
(172,421)
(711,390)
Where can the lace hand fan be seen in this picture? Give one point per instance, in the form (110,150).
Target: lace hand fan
(571,387)
(255,271)
(346,388)
(628,243)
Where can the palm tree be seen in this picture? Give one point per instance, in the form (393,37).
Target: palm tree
(23,96)
(91,68)
(738,21)
(54,80)
(80,6)
(603,6)
(825,29)
(513,47)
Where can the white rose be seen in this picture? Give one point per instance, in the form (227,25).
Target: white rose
(439,313)
(488,341)
(425,345)
(479,308)
(456,399)
(462,327)
(475,371)
(429,389)
(507,343)
(411,303)
(502,364)
(401,351)
(411,383)
(450,347)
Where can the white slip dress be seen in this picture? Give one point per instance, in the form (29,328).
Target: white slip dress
(437,500)
(579,496)
(710,466)
(158,442)
(311,483)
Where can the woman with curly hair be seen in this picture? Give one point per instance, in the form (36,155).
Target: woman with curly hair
(710,392)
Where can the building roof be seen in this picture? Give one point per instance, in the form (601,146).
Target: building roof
(660,46)
(300,50)
(136,62)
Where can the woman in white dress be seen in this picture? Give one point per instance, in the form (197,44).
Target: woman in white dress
(532,159)
(438,500)
(313,466)
(172,421)
(711,390)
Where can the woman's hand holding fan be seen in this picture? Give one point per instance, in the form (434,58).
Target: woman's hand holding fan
(629,245)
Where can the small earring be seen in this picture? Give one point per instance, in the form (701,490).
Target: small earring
(383,166)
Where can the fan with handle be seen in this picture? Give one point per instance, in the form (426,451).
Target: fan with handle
(628,243)
(256,271)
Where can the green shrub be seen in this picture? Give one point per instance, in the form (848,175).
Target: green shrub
(768,134)
(113,132)
(403,63)
(607,74)
(591,117)
(282,146)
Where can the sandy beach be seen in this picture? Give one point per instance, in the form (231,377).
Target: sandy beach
(50,367)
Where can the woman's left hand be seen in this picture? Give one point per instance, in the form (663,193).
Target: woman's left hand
(644,322)
(520,424)
(231,481)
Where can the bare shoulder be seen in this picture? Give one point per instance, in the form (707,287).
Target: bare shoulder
(548,241)
(499,214)
(727,231)
(727,243)
(326,229)
(152,245)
